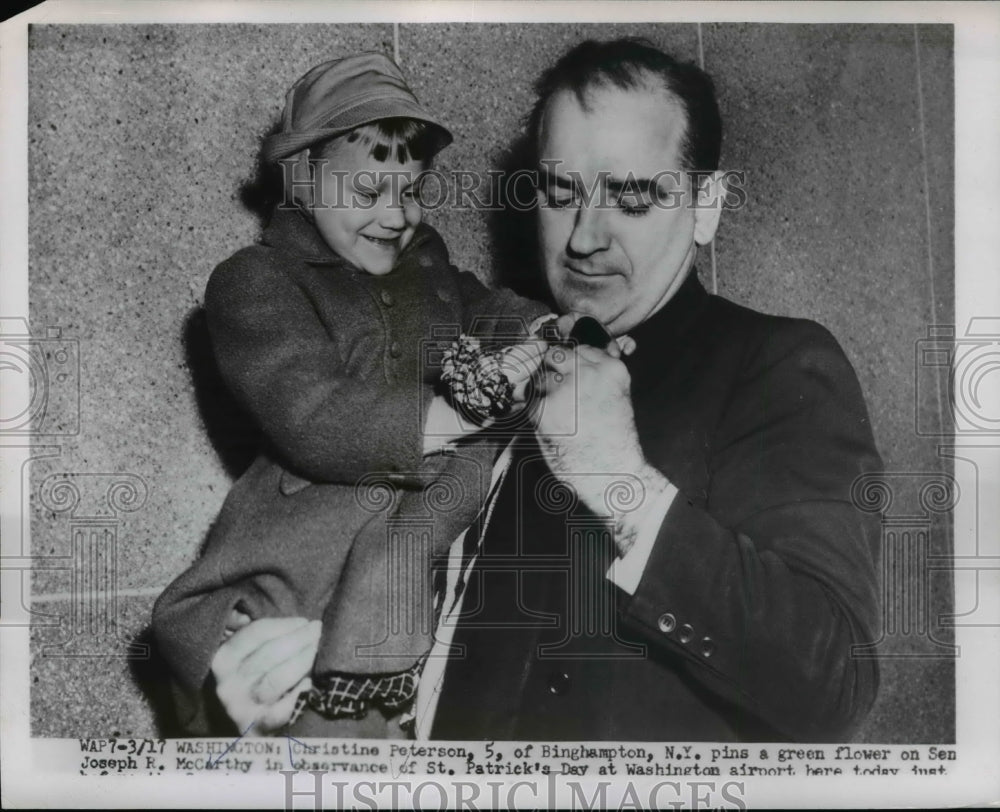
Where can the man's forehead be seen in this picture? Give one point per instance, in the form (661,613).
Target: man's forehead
(621,130)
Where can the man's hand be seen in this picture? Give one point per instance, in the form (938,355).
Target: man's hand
(587,432)
(586,424)
(262,668)
(563,326)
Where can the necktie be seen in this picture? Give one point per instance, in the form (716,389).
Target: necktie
(473,537)
(470,546)
(535,600)
(492,620)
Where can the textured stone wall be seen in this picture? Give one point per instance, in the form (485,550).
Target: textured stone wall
(141,136)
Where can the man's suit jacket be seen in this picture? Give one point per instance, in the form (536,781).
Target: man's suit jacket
(762,577)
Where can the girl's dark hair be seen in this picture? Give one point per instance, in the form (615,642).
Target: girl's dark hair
(400,138)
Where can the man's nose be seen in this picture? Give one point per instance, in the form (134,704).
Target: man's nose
(589,231)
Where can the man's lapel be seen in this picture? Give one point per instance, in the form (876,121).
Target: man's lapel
(661,338)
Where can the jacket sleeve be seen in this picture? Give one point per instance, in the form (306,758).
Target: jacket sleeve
(188,622)
(764,584)
(286,370)
(496,313)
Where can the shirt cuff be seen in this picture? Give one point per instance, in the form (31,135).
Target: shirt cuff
(626,571)
(536,325)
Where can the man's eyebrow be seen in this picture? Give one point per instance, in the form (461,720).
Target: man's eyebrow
(630,184)
(548,178)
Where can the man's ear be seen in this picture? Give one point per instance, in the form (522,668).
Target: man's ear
(708,209)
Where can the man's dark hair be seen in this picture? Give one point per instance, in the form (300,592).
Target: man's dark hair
(628,64)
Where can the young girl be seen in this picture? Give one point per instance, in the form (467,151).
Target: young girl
(321,333)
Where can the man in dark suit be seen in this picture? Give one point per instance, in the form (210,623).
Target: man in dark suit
(720,597)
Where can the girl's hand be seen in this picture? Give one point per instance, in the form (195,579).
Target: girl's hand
(261,669)
(520,364)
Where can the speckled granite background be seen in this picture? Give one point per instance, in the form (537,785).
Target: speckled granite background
(140,139)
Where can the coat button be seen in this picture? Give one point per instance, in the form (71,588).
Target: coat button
(686,633)
(426,260)
(667,623)
(386,298)
(707,647)
(559,683)
(394,349)
(445,295)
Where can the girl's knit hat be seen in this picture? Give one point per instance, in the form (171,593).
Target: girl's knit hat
(337,96)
